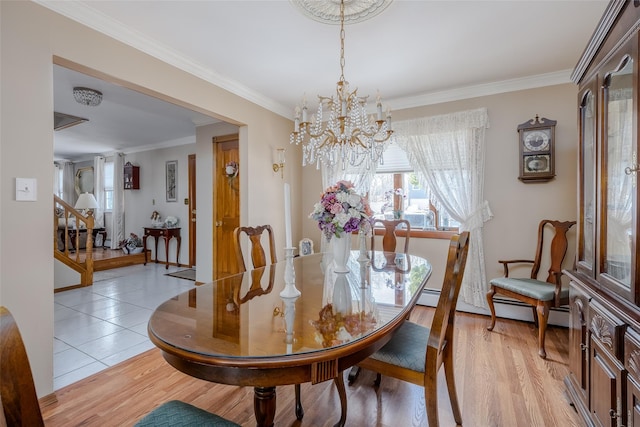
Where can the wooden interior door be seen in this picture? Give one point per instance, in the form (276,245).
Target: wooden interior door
(226,198)
(192,210)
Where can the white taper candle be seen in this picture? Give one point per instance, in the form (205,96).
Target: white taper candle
(287,215)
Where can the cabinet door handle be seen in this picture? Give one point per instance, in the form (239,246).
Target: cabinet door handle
(631,169)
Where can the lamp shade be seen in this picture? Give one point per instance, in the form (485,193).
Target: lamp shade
(86,201)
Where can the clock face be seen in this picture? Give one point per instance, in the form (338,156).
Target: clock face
(537,140)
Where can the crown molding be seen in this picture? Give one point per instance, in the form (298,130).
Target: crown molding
(160,145)
(88,16)
(487,89)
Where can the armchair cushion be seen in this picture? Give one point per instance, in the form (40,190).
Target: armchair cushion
(176,413)
(532,288)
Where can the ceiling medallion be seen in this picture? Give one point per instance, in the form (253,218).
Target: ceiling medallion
(328,12)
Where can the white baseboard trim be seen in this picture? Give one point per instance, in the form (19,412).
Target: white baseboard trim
(505,308)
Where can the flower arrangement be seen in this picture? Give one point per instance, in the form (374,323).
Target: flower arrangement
(231,169)
(341,210)
(131,242)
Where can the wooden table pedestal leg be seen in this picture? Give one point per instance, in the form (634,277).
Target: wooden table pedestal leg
(264,405)
(339,382)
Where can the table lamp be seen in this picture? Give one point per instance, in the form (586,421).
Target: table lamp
(86,202)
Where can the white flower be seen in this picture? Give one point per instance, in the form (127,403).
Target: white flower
(355,200)
(354,213)
(342,218)
(317,208)
(342,197)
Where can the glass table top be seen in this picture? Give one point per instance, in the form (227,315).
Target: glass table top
(244,316)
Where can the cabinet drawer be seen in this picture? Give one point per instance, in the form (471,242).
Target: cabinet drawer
(607,329)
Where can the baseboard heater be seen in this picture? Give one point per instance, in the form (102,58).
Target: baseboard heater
(505,308)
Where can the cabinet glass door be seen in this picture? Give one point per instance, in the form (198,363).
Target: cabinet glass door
(588,185)
(619,186)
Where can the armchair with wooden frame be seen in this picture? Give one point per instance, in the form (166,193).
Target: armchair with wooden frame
(416,353)
(20,406)
(540,294)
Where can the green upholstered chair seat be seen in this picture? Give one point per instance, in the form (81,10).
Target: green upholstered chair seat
(532,288)
(407,347)
(180,414)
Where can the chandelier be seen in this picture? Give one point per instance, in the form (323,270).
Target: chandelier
(349,135)
(87,96)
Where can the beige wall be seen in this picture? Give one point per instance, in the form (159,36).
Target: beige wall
(30,38)
(517,207)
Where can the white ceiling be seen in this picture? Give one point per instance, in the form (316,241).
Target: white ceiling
(414,53)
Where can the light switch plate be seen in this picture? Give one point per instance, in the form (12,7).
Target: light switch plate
(26,190)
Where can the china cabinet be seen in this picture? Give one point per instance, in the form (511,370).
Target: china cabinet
(131,177)
(604,294)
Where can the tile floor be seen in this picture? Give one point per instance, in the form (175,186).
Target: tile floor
(104,324)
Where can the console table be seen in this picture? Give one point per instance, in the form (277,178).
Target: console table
(167,234)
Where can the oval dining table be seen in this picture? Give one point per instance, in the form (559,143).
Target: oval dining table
(292,322)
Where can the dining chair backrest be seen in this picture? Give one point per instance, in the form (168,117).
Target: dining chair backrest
(20,406)
(258,256)
(389,238)
(442,326)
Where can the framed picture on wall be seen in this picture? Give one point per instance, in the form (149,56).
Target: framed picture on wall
(172,180)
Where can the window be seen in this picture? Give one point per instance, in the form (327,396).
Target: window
(108,186)
(395,192)
(400,195)
(58,180)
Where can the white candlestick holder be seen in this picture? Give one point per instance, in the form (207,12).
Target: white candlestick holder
(290,290)
(289,317)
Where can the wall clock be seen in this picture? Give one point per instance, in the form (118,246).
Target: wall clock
(536,139)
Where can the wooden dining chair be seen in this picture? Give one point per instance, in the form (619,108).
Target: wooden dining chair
(389,238)
(259,259)
(415,353)
(540,294)
(20,406)
(258,256)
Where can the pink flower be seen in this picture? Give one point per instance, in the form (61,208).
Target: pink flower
(336,208)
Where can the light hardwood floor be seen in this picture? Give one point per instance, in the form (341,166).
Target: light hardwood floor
(500,378)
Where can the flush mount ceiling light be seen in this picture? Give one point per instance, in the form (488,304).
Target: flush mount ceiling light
(348,136)
(87,96)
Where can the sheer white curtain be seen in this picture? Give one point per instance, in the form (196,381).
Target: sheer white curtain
(359,175)
(98,190)
(117,213)
(69,184)
(447,151)
(56,179)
